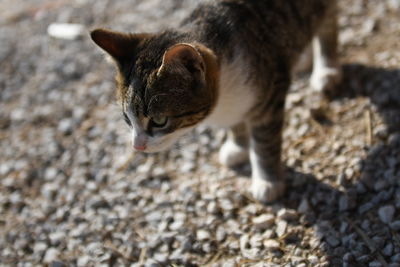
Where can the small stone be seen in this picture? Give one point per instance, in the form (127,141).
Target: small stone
(360,188)
(364,259)
(187,166)
(51,255)
(365,207)
(271,244)
(343,203)
(244,242)
(176,225)
(160,257)
(256,241)
(374,264)
(381,185)
(234,245)
(229,263)
(203,235)
(220,234)
(386,213)
(226,204)
(396,258)
(212,207)
(281,228)
(151,263)
(332,241)
(57,264)
(395,225)
(66,126)
(368,26)
(348,257)
(56,238)
(304,206)
(39,247)
(287,215)
(313,260)
(263,221)
(67,31)
(388,250)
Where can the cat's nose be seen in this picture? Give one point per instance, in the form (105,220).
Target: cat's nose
(139,142)
(139,148)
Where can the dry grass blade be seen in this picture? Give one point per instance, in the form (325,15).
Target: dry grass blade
(369,242)
(142,256)
(109,245)
(368,126)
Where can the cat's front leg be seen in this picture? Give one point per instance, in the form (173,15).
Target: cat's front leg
(265,157)
(235,149)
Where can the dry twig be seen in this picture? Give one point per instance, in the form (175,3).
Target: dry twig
(368,126)
(369,242)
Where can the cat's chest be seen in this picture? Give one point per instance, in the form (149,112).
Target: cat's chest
(236,95)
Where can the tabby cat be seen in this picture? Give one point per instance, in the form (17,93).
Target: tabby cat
(229,64)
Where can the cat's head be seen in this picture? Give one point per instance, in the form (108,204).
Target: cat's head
(165,86)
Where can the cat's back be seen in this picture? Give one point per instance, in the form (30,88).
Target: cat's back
(281,23)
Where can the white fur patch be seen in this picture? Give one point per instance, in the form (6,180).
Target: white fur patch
(231,154)
(235,94)
(264,187)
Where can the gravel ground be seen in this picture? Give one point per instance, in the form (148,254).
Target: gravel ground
(73,194)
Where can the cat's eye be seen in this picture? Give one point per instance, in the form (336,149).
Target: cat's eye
(159,121)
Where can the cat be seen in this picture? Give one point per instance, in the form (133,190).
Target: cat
(229,64)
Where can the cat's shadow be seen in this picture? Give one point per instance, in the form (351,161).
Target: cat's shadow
(347,213)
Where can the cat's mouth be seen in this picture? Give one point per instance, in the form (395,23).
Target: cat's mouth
(154,145)
(159,144)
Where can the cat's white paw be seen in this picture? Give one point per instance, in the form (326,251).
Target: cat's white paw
(266,191)
(325,79)
(231,154)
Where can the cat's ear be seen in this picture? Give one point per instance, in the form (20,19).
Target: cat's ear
(185,55)
(118,45)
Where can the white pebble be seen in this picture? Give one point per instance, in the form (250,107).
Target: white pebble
(66,31)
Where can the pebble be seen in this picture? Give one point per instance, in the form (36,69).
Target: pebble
(281,228)
(67,31)
(203,234)
(386,213)
(39,247)
(57,264)
(263,221)
(395,225)
(365,207)
(57,237)
(332,241)
(396,258)
(304,206)
(287,215)
(66,126)
(388,250)
(271,244)
(220,234)
(51,254)
(374,264)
